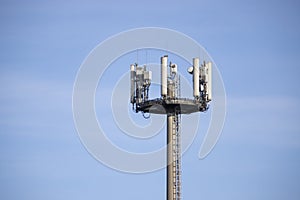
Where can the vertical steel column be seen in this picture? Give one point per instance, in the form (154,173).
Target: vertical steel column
(170,169)
(173,150)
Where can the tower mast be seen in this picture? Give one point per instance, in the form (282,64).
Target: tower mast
(173,106)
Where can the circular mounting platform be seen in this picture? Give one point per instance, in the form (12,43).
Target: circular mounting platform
(164,106)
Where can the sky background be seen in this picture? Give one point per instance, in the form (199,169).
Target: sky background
(256,45)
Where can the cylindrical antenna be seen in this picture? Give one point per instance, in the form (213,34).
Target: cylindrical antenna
(209,81)
(132,83)
(164,75)
(196,77)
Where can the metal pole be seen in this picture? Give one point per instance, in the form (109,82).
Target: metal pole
(173,150)
(170,169)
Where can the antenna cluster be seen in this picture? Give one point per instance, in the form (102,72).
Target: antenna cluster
(170,86)
(140,83)
(202,80)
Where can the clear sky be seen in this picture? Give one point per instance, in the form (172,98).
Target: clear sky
(256,45)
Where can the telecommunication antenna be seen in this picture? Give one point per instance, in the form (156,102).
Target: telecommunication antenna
(171,104)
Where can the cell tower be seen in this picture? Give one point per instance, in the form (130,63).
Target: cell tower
(171,104)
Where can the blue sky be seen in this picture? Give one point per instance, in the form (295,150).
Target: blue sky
(256,45)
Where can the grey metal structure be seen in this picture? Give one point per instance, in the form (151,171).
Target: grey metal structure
(171,104)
